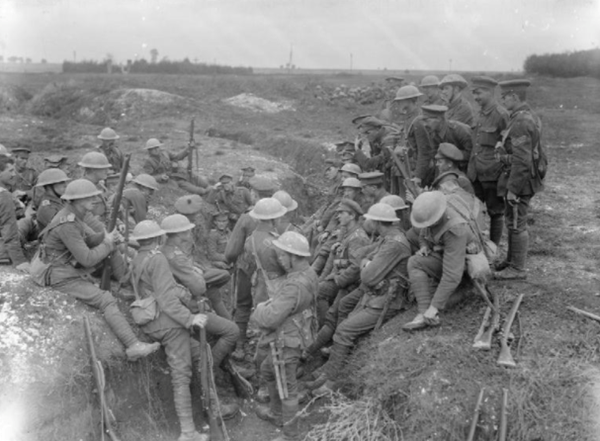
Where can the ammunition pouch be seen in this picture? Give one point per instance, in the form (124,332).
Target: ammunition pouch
(143,311)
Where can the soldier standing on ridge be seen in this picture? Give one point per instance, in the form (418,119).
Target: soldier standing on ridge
(430,85)
(484,169)
(95,169)
(522,157)
(108,147)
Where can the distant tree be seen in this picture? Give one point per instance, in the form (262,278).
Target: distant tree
(12,59)
(1,59)
(44,61)
(28,60)
(153,56)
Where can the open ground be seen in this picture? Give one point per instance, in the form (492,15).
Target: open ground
(426,383)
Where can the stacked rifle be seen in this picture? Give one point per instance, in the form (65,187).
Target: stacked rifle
(502,429)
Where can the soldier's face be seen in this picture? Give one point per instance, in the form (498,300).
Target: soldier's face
(447,93)
(154,152)
(284,259)
(60,188)
(7,176)
(482,96)
(345,218)
(509,101)
(21,159)
(431,91)
(443,165)
(432,123)
(88,204)
(350,192)
(401,107)
(331,173)
(221,224)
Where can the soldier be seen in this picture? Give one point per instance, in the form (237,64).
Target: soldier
(370,136)
(443,130)
(25,177)
(384,284)
(415,137)
(234,252)
(10,243)
(136,198)
(436,270)
(524,170)
(95,169)
(160,164)
(350,170)
(108,147)
(372,187)
(54,182)
(57,161)
(247,174)
(459,109)
(217,241)
(173,323)
(430,85)
(401,210)
(227,197)
(342,276)
(286,222)
(73,251)
(286,324)
(447,160)
(484,169)
(178,229)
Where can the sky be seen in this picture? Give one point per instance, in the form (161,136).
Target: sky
(475,35)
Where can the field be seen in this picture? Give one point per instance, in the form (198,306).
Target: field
(428,382)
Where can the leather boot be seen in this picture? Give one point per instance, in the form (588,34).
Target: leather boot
(290,422)
(239,354)
(183,408)
(339,354)
(219,352)
(323,337)
(421,287)
(140,349)
(273,412)
(516,270)
(506,262)
(496,228)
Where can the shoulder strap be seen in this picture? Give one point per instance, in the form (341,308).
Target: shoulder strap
(135,278)
(259,264)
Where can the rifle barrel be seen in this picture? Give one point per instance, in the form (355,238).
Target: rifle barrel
(584,313)
(476,412)
(505,358)
(502,431)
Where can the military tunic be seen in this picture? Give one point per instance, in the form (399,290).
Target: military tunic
(217,242)
(461,110)
(287,318)
(114,155)
(25,180)
(50,205)
(459,135)
(10,243)
(421,153)
(269,273)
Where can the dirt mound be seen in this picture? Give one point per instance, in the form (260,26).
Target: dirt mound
(256,104)
(11,97)
(104,106)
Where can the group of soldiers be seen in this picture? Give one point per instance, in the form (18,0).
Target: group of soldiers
(404,220)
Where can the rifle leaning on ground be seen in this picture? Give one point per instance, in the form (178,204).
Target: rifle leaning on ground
(505,358)
(491,318)
(584,313)
(390,295)
(210,399)
(279,368)
(191,148)
(476,413)
(503,429)
(107,419)
(116,208)
(403,167)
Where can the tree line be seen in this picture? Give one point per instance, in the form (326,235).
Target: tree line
(566,65)
(185,67)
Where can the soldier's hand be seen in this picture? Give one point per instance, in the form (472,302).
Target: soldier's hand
(409,197)
(330,277)
(431,316)
(24,267)
(417,181)
(163,178)
(199,320)
(512,198)
(423,251)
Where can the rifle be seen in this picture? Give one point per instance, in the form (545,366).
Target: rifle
(476,412)
(279,368)
(234,279)
(404,169)
(390,294)
(106,270)
(107,419)
(505,358)
(489,325)
(503,416)
(210,400)
(191,148)
(584,313)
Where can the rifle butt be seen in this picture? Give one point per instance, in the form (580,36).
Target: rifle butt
(479,342)
(505,358)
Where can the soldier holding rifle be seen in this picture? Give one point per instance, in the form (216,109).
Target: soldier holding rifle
(521,179)
(287,323)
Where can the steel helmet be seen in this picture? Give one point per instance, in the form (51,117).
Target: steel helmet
(4,151)
(428,208)
(407,92)
(146,229)
(146,181)
(430,81)
(267,208)
(286,200)
(394,201)
(176,223)
(51,176)
(454,80)
(152,143)
(381,212)
(293,243)
(351,182)
(262,183)
(80,189)
(351,168)
(94,160)
(189,204)
(108,134)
